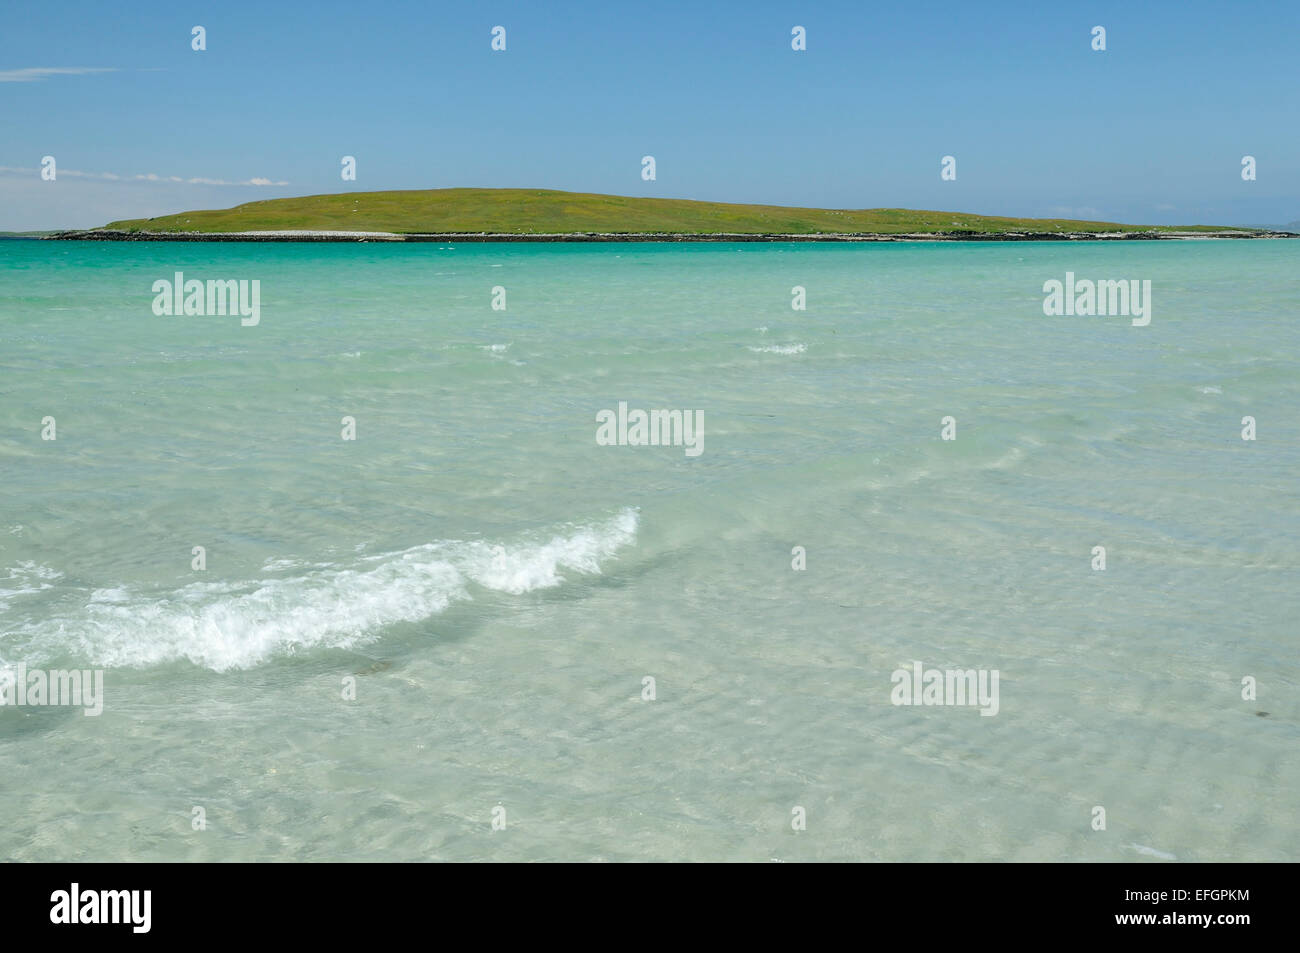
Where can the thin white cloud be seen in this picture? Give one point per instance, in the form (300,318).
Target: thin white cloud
(33,74)
(199,180)
(70,173)
(147,177)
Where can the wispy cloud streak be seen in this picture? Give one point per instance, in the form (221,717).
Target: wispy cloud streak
(34,74)
(147,177)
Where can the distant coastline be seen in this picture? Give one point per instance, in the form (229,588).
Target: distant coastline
(309,235)
(543,215)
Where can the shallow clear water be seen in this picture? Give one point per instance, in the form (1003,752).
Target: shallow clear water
(498,585)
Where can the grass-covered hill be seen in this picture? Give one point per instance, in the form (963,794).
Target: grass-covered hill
(524,211)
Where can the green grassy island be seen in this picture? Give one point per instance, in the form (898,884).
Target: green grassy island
(545,215)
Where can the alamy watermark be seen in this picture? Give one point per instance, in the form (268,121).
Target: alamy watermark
(195,297)
(23,687)
(1129,298)
(75,905)
(931,686)
(653,428)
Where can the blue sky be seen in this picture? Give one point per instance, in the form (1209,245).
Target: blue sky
(1150,131)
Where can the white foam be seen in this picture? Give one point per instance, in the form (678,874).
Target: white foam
(224,626)
(1150,851)
(118,594)
(30,570)
(284,565)
(25,579)
(529,566)
(779,349)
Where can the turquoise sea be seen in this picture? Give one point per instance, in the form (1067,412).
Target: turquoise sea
(433,642)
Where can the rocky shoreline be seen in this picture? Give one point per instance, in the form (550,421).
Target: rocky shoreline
(108,235)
